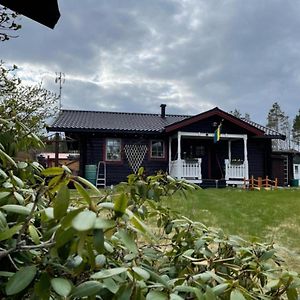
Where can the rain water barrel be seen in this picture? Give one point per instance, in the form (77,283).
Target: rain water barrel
(295,182)
(91,173)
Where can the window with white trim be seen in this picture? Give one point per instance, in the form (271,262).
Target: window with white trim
(113,149)
(157,149)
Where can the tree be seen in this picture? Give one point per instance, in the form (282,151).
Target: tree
(278,121)
(118,244)
(296,128)
(32,105)
(7,23)
(237,114)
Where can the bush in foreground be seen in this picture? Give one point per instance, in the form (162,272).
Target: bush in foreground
(119,244)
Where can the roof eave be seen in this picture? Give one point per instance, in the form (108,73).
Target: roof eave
(207,114)
(95,130)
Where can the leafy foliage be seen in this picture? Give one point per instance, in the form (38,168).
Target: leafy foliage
(31,105)
(7,23)
(119,244)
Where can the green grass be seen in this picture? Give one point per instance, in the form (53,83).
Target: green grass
(264,216)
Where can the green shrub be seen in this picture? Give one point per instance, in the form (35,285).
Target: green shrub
(118,244)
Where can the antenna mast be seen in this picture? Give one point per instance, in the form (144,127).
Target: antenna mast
(60,79)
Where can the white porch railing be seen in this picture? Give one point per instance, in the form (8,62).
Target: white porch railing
(186,169)
(236,171)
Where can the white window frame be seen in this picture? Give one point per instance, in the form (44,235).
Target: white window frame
(163,150)
(119,158)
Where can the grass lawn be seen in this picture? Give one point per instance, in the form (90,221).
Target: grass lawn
(266,216)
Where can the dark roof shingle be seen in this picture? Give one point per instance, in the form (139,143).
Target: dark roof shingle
(112,121)
(79,120)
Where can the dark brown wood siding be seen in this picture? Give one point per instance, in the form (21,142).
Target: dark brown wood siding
(93,151)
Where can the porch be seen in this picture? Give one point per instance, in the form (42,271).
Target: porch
(193,156)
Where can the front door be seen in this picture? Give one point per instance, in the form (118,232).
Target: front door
(215,162)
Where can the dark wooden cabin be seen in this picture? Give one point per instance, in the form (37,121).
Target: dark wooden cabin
(182,145)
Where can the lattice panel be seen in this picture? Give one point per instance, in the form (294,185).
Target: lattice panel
(135,155)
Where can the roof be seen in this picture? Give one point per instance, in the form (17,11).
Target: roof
(267,131)
(213,112)
(103,121)
(76,120)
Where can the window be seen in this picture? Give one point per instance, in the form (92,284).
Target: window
(113,149)
(157,149)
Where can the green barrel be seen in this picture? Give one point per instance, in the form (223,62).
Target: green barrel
(295,182)
(91,173)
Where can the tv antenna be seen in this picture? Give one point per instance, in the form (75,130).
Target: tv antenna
(60,79)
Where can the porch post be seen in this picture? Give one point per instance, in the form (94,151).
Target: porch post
(170,153)
(179,163)
(246,157)
(229,151)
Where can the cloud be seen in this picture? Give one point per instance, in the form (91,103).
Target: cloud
(190,54)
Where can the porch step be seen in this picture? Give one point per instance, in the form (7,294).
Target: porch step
(213,183)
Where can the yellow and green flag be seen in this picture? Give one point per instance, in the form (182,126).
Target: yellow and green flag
(217,134)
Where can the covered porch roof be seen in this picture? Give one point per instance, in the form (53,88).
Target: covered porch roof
(250,126)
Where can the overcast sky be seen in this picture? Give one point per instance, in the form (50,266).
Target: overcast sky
(193,55)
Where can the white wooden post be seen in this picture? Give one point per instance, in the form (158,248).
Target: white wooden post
(170,153)
(179,165)
(229,150)
(246,157)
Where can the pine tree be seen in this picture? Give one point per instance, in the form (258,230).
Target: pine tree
(296,128)
(236,113)
(278,121)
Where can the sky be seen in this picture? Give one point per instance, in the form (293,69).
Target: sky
(193,55)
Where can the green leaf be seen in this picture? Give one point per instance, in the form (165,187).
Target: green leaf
(17,209)
(42,287)
(49,212)
(61,202)
(3,174)
(20,280)
(236,295)
(19,198)
(108,273)
(8,233)
(158,278)
(127,241)
(89,185)
(61,286)
(267,255)
(34,234)
(120,204)
(111,285)
(4,194)
(88,288)
(22,165)
(220,288)
(18,181)
(101,223)
(6,157)
(67,220)
(141,227)
(6,274)
(156,295)
(85,220)
(3,223)
(99,240)
(83,193)
(141,272)
(53,171)
(292,294)
(64,236)
(175,297)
